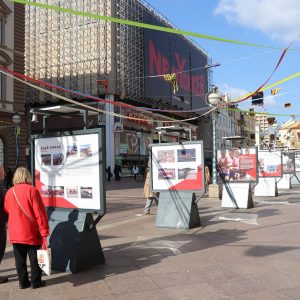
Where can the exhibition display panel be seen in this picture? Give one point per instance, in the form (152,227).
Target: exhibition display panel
(177,167)
(68,170)
(270,164)
(237,165)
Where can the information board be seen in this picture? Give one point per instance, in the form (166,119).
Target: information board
(69,170)
(237,165)
(270,163)
(177,166)
(297,162)
(288,162)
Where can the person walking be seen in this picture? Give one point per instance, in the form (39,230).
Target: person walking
(207,177)
(135,171)
(27,227)
(109,173)
(151,196)
(3,221)
(117,172)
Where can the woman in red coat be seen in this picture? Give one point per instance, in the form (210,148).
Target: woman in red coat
(27,226)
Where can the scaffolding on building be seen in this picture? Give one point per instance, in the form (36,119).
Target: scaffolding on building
(78,53)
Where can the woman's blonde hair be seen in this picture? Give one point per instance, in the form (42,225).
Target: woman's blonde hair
(22,175)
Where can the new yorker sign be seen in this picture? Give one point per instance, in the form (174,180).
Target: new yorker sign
(170,53)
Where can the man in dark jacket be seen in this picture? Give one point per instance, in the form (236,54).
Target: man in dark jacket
(3,221)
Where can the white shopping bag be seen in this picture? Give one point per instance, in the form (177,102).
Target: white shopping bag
(44,260)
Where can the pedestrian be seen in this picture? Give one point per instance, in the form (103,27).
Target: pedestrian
(135,171)
(109,173)
(27,227)
(207,177)
(117,172)
(148,194)
(3,221)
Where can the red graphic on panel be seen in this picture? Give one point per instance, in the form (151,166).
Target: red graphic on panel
(275,173)
(193,181)
(51,196)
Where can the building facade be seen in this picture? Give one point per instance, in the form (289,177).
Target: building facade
(289,135)
(118,63)
(13,139)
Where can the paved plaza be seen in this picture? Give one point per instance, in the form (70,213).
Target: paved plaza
(235,254)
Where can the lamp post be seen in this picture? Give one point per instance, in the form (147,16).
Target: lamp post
(139,136)
(16,119)
(213,98)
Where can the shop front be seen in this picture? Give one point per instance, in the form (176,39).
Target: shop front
(132,143)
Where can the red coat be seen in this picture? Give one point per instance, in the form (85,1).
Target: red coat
(20,229)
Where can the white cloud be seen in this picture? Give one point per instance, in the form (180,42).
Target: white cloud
(278,19)
(232,92)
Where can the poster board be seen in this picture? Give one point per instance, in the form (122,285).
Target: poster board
(270,163)
(69,169)
(177,167)
(237,165)
(288,162)
(297,161)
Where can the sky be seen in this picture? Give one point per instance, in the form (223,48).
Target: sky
(243,69)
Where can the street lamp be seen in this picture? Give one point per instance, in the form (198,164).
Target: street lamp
(213,98)
(139,136)
(16,119)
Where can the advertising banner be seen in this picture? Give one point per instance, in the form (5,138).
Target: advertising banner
(237,165)
(288,162)
(297,162)
(69,171)
(171,53)
(270,163)
(177,166)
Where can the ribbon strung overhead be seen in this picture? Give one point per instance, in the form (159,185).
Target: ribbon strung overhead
(139,24)
(172,78)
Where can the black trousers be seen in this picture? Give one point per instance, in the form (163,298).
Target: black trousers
(2,239)
(21,251)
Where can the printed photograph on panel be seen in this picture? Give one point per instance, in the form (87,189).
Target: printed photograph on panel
(164,174)
(72,192)
(46,191)
(58,191)
(297,162)
(288,163)
(187,173)
(58,159)
(85,151)
(166,156)
(86,192)
(46,159)
(72,150)
(186,155)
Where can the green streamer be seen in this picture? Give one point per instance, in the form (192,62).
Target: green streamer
(139,24)
(259,113)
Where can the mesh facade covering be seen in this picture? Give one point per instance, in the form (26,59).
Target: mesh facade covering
(74,52)
(67,50)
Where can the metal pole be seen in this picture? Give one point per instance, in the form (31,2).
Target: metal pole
(214,166)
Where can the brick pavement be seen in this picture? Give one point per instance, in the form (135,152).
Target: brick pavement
(236,254)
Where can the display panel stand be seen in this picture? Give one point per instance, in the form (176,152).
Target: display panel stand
(237,195)
(177,209)
(74,242)
(266,187)
(284,182)
(295,179)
